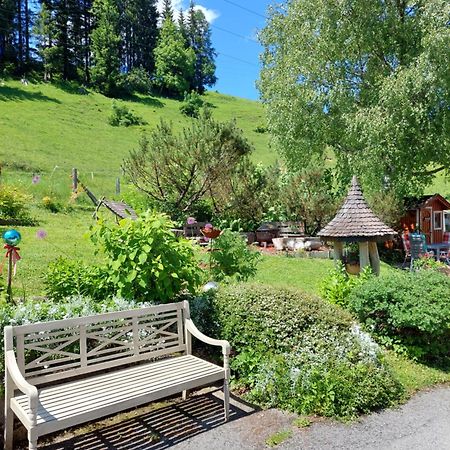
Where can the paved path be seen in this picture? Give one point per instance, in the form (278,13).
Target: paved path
(423,423)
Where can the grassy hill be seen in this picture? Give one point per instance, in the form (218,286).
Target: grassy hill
(51,129)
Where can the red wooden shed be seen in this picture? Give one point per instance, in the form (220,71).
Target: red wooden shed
(429,213)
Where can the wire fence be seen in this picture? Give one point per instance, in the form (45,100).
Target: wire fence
(65,183)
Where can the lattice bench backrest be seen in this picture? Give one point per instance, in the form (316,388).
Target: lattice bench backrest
(61,349)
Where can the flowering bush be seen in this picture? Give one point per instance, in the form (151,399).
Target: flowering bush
(297,352)
(14,206)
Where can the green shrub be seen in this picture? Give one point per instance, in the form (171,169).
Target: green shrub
(14,206)
(299,353)
(122,116)
(192,104)
(51,204)
(260,128)
(67,277)
(137,80)
(145,260)
(231,257)
(408,311)
(338,285)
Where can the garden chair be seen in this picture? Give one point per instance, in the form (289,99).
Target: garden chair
(406,248)
(418,248)
(445,254)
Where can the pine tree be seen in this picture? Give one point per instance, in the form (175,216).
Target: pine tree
(167,10)
(174,63)
(7,44)
(199,36)
(106,46)
(182,26)
(45,32)
(141,34)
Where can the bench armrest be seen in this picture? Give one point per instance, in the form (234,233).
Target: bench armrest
(17,377)
(190,326)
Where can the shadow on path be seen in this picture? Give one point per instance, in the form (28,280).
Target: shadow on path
(172,424)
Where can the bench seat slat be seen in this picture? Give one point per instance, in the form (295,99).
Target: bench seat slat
(97,383)
(101,393)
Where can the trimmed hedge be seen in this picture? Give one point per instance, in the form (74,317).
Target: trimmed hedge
(297,352)
(408,311)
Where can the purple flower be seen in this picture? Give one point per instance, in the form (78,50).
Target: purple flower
(191,220)
(41,234)
(36,179)
(208,226)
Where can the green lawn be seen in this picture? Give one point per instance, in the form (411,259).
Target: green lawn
(65,237)
(302,273)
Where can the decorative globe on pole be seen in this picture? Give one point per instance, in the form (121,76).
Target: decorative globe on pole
(356,222)
(11,238)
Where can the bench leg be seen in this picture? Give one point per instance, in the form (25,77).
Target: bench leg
(32,440)
(9,414)
(9,427)
(184,395)
(226,399)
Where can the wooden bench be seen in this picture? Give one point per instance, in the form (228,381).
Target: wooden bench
(66,372)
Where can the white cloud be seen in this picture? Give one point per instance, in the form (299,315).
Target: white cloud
(210,14)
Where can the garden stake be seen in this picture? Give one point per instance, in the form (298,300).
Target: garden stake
(11,239)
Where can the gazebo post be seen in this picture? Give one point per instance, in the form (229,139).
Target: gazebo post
(374,258)
(364,260)
(338,251)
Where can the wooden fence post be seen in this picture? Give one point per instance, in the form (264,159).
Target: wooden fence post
(74,180)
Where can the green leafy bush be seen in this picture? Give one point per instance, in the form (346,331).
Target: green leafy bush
(137,80)
(14,206)
(299,353)
(231,257)
(67,277)
(192,104)
(122,116)
(408,311)
(50,204)
(338,285)
(145,260)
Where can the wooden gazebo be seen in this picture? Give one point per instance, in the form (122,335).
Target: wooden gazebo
(356,222)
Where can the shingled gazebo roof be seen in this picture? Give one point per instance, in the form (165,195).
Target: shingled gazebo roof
(355,221)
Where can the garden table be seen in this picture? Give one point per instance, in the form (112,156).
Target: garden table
(438,247)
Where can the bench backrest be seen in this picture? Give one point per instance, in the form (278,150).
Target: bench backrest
(62,349)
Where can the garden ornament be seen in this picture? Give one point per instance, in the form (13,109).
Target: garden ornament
(11,239)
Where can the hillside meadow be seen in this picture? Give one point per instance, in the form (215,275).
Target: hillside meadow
(49,129)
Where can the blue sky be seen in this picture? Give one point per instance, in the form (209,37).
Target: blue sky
(234,37)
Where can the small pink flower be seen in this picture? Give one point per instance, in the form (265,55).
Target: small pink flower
(208,226)
(36,179)
(41,234)
(191,220)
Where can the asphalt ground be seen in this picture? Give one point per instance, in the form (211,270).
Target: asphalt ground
(197,424)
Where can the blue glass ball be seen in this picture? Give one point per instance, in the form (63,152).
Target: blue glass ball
(12,237)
